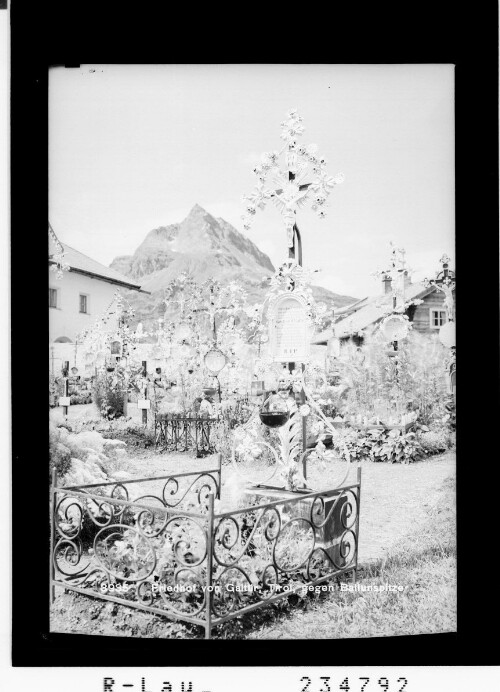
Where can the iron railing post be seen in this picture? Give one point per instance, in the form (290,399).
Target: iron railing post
(357,524)
(219,464)
(52,505)
(209,584)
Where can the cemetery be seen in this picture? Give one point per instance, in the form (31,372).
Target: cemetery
(219,461)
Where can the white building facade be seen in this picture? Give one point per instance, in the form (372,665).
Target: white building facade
(76,301)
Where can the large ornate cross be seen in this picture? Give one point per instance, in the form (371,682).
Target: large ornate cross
(290,193)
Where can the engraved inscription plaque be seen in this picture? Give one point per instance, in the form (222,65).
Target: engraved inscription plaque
(289,330)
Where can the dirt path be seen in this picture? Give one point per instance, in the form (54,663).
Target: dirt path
(395,500)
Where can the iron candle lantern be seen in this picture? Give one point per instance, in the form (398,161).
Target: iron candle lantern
(215,360)
(274,412)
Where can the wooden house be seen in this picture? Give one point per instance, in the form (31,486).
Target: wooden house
(354,320)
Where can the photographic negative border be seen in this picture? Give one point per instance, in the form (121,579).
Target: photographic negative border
(437,39)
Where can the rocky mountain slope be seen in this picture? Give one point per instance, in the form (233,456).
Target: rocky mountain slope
(205,247)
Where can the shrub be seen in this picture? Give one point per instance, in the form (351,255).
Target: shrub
(85,398)
(108,398)
(450,416)
(353,444)
(60,459)
(66,426)
(84,472)
(378,445)
(414,379)
(435,441)
(133,435)
(397,448)
(80,457)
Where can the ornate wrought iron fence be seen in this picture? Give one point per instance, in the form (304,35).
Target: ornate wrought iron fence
(167,551)
(184,433)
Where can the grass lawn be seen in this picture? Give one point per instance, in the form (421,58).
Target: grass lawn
(423,564)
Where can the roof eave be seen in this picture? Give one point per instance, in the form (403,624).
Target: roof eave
(351,306)
(424,292)
(116,282)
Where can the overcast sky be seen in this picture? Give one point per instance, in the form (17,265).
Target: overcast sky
(133,147)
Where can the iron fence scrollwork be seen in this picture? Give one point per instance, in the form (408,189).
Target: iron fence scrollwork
(181,433)
(168,551)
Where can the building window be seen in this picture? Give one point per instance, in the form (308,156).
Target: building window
(52,297)
(83,303)
(438,318)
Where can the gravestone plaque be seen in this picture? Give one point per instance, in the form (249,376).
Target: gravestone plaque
(289,331)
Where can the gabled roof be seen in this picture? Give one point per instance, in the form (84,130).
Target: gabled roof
(352,306)
(374,310)
(324,336)
(82,264)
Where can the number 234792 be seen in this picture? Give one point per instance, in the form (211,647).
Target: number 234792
(326,684)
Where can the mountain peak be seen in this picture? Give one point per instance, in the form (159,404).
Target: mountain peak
(197,209)
(200,242)
(205,247)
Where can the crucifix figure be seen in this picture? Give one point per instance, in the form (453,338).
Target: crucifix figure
(286,200)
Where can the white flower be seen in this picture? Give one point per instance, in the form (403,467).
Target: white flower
(320,448)
(304,410)
(317,427)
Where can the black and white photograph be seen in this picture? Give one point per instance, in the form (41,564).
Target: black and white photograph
(252,360)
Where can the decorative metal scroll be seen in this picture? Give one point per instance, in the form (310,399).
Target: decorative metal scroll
(286,455)
(198,566)
(148,551)
(145,556)
(283,547)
